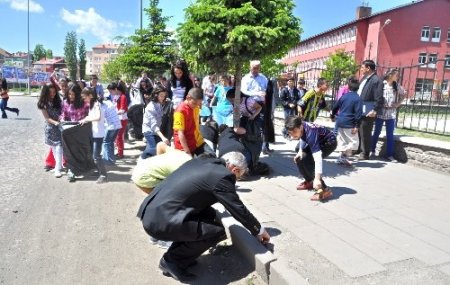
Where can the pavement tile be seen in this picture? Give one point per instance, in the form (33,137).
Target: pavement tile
(376,248)
(430,236)
(431,218)
(344,211)
(346,257)
(405,242)
(391,218)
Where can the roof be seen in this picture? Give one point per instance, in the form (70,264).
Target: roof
(50,61)
(101,46)
(5,53)
(363,19)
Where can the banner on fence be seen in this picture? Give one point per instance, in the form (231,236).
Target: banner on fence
(10,73)
(21,75)
(40,78)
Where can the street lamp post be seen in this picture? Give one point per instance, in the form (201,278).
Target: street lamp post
(28,51)
(387,22)
(140,15)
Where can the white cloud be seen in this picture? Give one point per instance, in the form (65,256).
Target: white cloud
(22,5)
(90,22)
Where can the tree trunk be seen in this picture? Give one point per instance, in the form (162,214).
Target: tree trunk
(237,96)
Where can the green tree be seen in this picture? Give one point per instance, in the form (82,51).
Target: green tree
(49,53)
(340,66)
(225,34)
(70,54)
(112,70)
(39,52)
(151,49)
(82,58)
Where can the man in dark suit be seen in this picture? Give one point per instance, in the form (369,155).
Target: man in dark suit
(289,98)
(179,210)
(371,93)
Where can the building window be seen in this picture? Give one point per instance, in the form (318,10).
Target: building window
(423,89)
(432,58)
(422,58)
(447,61)
(436,35)
(425,35)
(444,86)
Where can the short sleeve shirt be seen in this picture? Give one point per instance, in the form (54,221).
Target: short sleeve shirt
(188,120)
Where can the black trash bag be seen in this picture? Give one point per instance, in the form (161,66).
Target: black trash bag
(135,119)
(77,148)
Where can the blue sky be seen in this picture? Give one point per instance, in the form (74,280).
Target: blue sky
(99,21)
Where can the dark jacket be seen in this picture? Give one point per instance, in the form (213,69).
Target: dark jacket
(373,92)
(230,141)
(286,98)
(350,111)
(176,209)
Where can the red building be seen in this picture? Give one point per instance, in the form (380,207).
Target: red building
(414,37)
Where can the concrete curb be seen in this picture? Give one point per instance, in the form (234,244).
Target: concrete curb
(265,262)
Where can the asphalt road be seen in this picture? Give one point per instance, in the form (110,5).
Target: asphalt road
(56,232)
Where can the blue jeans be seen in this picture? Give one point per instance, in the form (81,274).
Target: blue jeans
(97,149)
(390,126)
(4,106)
(150,148)
(108,146)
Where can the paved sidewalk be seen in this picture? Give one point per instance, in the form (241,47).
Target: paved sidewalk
(388,223)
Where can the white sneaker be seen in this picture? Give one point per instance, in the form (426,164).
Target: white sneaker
(58,174)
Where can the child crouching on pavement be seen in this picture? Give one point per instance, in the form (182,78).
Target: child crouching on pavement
(347,122)
(316,142)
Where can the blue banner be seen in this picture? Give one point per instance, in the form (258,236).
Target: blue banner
(10,73)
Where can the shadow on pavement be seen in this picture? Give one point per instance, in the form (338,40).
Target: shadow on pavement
(273,232)
(221,265)
(339,191)
(243,190)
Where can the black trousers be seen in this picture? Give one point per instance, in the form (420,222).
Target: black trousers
(306,165)
(210,231)
(365,134)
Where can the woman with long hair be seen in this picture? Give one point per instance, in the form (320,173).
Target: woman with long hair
(50,105)
(97,117)
(393,95)
(73,110)
(180,82)
(152,122)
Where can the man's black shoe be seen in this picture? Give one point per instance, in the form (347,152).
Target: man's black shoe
(173,270)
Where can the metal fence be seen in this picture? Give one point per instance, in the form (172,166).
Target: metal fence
(426,107)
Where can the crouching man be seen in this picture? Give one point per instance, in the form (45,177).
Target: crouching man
(179,210)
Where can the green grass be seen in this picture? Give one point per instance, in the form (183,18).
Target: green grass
(413,133)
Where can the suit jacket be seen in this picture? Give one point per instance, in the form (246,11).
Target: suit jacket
(177,208)
(373,91)
(286,97)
